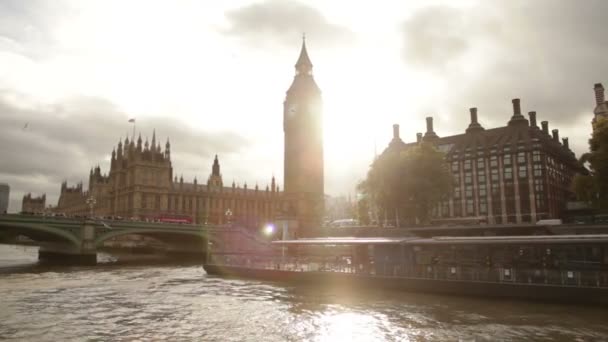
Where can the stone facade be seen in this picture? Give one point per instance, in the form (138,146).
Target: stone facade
(33,205)
(140,184)
(302,125)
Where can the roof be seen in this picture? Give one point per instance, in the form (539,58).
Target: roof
(451,240)
(485,141)
(343,241)
(303,60)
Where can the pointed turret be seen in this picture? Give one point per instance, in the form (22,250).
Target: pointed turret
(303,65)
(168,149)
(153,139)
(215,170)
(273,184)
(139,143)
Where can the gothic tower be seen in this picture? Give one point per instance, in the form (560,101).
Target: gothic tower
(303,163)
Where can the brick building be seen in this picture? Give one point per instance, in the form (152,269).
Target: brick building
(512,174)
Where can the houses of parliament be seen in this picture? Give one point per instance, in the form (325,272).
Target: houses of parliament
(141,182)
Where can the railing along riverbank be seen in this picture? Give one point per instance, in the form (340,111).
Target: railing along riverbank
(473,273)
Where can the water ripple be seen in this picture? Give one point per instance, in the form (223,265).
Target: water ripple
(182,303)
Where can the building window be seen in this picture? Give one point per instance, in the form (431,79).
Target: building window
(457,192)
(470,207)
(493,161)
(495,189)
(144,199)
(538,170)
(523,171)
(506,159)
(468,191)
(508,173)
(468,178)
(480,164)
(536,156)
(157,202)
(455,166)
(494,175)
(538,186)
(483,206)
(521,157)
(467,164)
(482,190)
(481,179)
(456,179)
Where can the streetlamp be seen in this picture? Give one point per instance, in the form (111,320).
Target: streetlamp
(228,215)
(91,202)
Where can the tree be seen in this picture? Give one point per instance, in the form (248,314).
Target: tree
(408,183)
(594,187)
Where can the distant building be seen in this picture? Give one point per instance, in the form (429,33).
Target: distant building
(512,174)
(5,191)
(33,205)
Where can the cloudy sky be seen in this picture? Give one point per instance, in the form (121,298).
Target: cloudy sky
(212,78)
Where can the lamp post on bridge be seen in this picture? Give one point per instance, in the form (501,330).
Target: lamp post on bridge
(91,202)
(228,215)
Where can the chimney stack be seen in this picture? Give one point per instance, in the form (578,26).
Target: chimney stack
(473,112)
(555,135)
(532,116)
(599,94)
(395,131)
(430,133)
(516,107)
(565,143)
(517,118)
(474,125)
(418,137)
(545,125)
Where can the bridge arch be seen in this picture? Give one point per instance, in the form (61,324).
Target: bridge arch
(33,231)
(158,234)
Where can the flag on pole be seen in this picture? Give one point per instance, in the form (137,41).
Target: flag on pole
(132,120)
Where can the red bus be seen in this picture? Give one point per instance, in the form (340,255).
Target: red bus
(174,219)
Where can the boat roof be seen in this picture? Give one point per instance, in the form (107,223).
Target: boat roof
(344,241)
(452,240)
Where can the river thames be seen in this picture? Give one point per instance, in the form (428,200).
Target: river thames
(112,302)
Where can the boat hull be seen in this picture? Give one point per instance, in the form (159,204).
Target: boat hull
(541,292)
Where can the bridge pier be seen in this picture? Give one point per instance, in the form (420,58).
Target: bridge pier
(67,253)
(62,258)
(187,256)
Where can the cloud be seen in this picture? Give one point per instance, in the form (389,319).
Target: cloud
(42,145)
(27,26)
(548,53)
(277,22)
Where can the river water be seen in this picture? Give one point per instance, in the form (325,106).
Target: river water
(112,302)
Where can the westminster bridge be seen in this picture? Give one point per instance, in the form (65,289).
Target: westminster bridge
(77,240)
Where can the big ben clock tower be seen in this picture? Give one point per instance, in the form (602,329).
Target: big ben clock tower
(303,127)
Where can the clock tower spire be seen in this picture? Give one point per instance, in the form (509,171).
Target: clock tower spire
(303,163)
